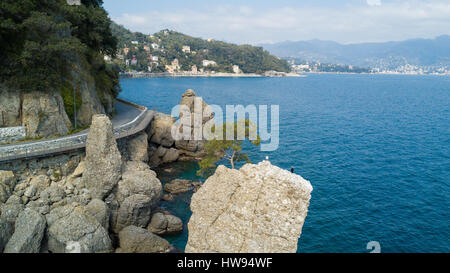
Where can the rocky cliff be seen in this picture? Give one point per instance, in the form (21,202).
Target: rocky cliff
(163,147)
(257,209)
(44,113)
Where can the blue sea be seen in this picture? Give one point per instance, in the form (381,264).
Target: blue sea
(376,149)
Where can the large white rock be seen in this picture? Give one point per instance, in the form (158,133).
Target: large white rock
(257,209)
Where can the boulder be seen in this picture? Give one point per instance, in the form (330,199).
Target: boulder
(79,170)
(72,229)
(98,209)
(160,130)
(7,185)
(6,231)
(11,209)
(131,166)
(171,156)
(40,183)
(134,239)
(103,160)
(28,234)
(178,186)
(257,209)
(135,210)
(142,182)
(138,148)
(53,194)
(200,114)
(162,224)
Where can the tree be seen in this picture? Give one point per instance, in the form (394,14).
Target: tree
(221,148)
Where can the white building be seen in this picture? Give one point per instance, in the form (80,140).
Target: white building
(155,46)
(236,69)
(206,63)
(74,2)
(134,42)
(155,58)
(186,49)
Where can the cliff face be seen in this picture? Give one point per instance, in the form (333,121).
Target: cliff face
(257,209)
(44,113)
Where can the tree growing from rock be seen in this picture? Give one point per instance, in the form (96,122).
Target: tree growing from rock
(228,147)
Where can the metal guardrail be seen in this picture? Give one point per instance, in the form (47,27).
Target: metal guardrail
(46,148)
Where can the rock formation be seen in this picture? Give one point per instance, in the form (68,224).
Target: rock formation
(201,113)
(163,224)
(103,160)
(84,206)
(257,209)
(134,239)
(163,148)
(73,226)
(7,184)
(138,148)
(29,230)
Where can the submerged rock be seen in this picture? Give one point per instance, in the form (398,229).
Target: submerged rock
(162,224)
(178,186)
(257,209)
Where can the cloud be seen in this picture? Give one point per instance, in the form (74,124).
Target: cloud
(394,20)
(374,2)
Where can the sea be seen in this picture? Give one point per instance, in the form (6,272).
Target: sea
(376,149)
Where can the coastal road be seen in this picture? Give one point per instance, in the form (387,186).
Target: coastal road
(128,120)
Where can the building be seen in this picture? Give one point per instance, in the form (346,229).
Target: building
(186,49)
(74,2)
(155,46)
(134,42)
(174,67)
(127,62)
(236,69)
(134,61)
(147,48)
(107,58)
(155,58)
(125,51)
(206,63)
(194,69)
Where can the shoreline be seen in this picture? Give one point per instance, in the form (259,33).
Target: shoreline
(206,75)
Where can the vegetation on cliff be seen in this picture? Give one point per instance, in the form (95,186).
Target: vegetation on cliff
(46,44)
(168,45)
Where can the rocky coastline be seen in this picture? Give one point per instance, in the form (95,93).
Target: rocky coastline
(106,199)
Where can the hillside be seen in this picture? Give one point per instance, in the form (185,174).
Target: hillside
(52,70)
(431,55)
(158,52)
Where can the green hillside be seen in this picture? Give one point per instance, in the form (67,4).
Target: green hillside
(168,45)
(49,45)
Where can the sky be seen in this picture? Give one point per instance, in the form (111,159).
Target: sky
(271,21)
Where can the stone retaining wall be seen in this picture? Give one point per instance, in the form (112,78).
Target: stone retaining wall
(12,134)
(46,148)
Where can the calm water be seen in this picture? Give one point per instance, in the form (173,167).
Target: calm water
(375,148)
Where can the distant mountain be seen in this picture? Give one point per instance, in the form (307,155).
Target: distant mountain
(141,52)
(389,55)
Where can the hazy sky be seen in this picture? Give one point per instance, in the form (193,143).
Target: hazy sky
(266,21)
